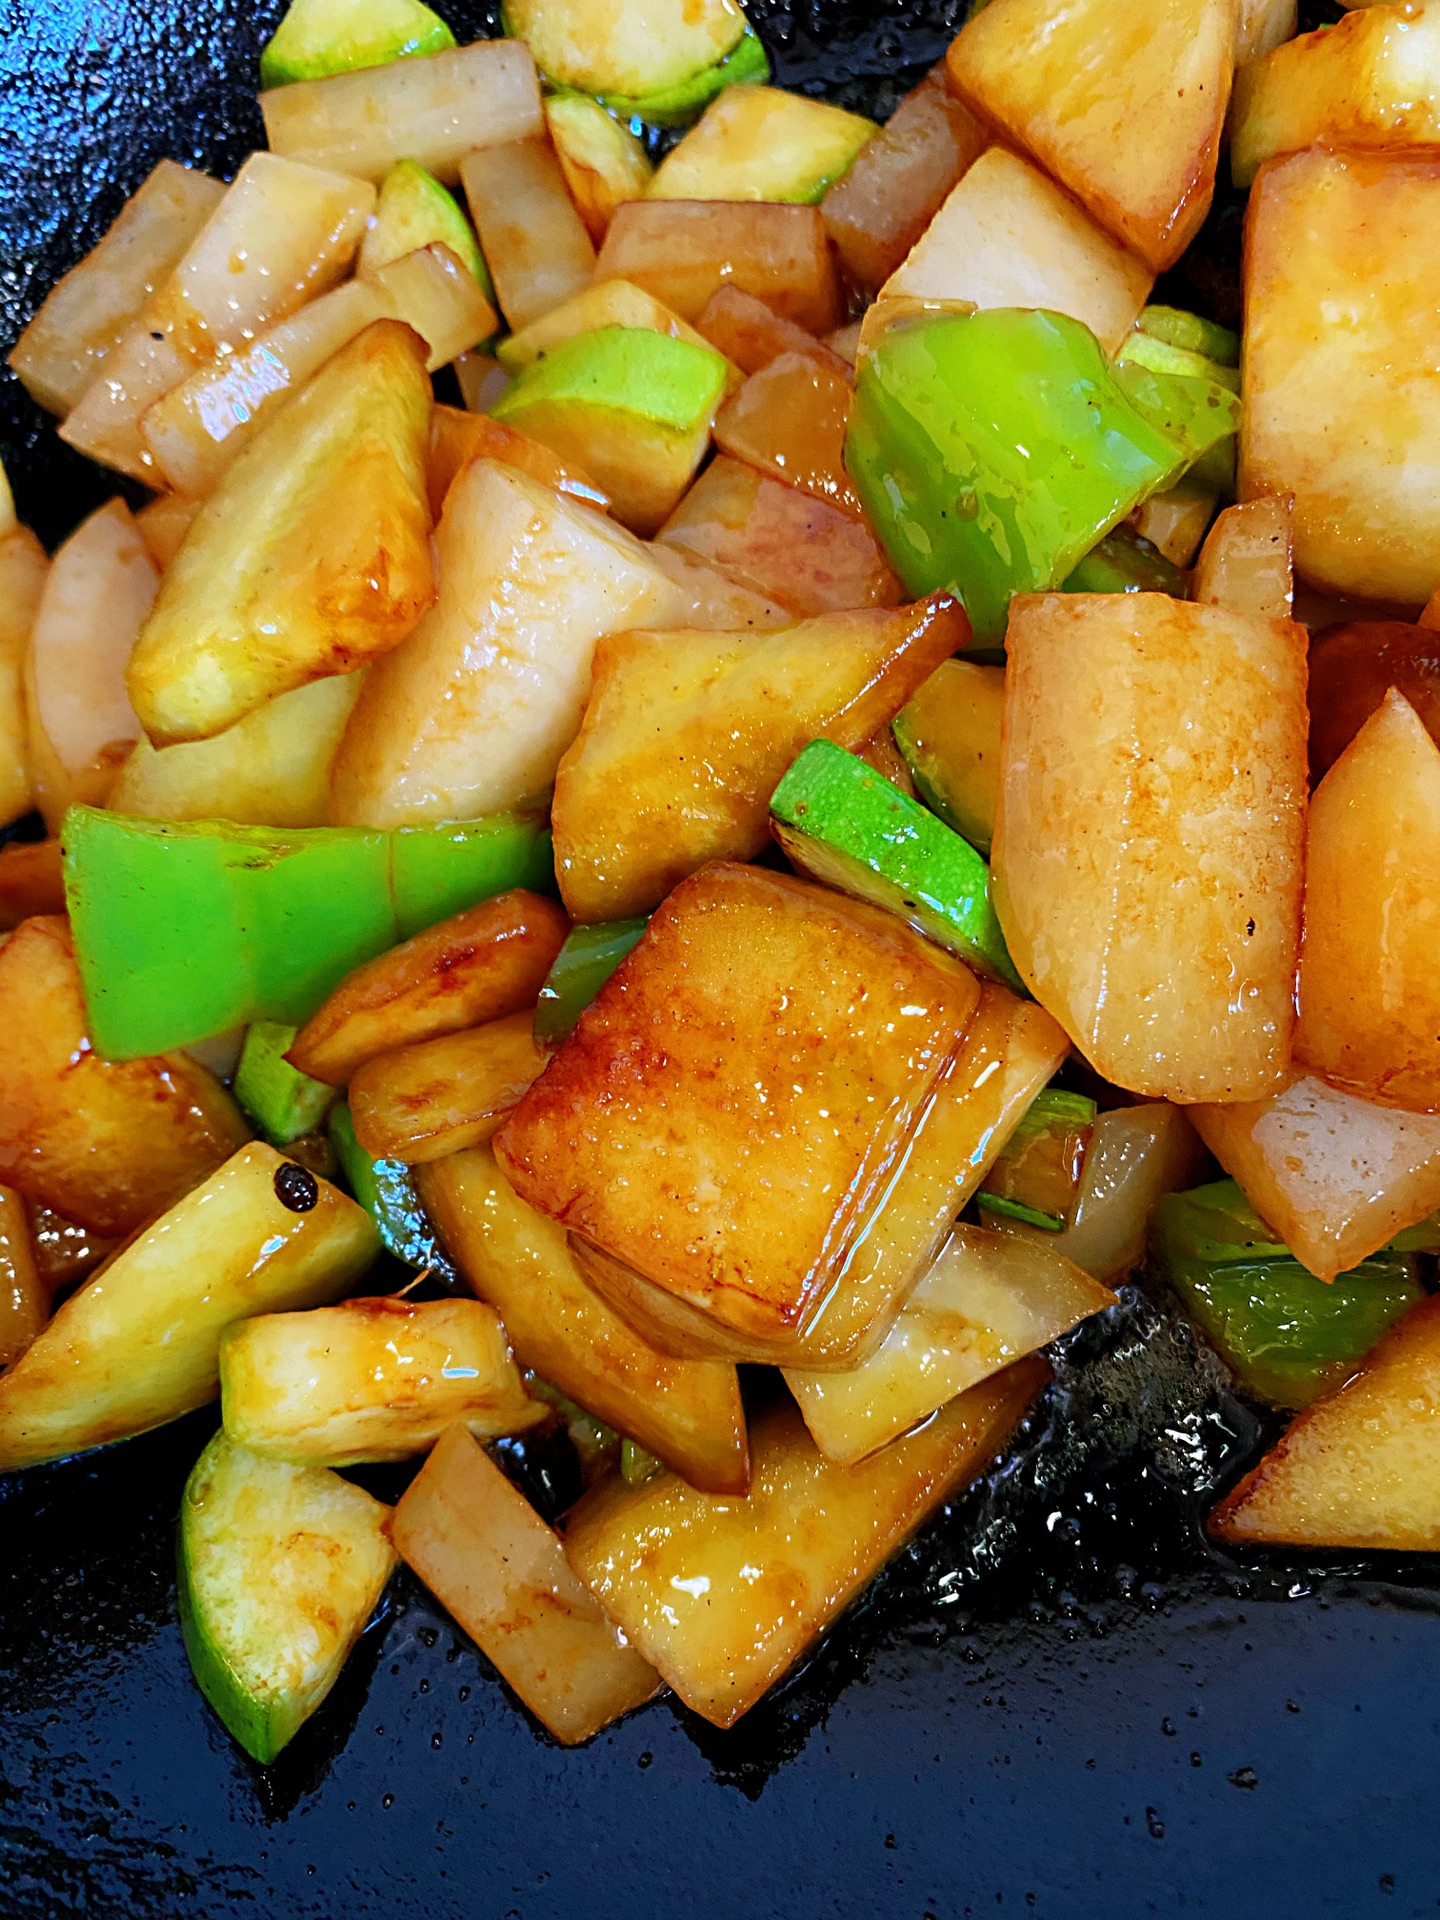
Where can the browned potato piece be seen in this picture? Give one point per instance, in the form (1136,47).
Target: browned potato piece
(107,1143)
(487,1555)
(751,336)
(1369,990)
(64,1251)
(686,1412)
(32,881)
(877,212)
(728,1113)
(1123,103)
(687,735)
(459,439)
(421,1103)
(1360,1468)
(881,753)
(785,544)
(1147,855)
(24,1298)
(725,1595)
(1335,1177)
(683,251)
(789,421)
(1342,333)
(479,965)
(1247,561)
(536,246)
(164,523)
(23,567)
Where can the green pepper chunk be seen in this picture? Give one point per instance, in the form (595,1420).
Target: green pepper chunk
(386,1190)
(1036,1175)
(282,1102)
(992,450)
(586,961)
(1123,562)
(1287,1337)
(1180,329)
(184,929)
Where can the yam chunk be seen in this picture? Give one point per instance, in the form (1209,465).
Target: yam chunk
(23,567)
(684,251)
(536,246)
(458,440)
(420,1103)
(1248,560)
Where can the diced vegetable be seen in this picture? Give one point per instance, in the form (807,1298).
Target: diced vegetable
(949,733)
(683,251)
(458,440)
(586,961)
(1261,25)
(1199,409)
(280,1568)
(1188,330)
(24,1299)
(598,46)
(603,162)
(433,291)
(747,64)
(1135,907)
(988,1300)
(385,1189)
(107,1145)
(1358,1469)
(432,110)
(749,334)
(319,37)
(1036,1175)
(64,1251)
(1176,521)
(712,601)
(878,211)
(23,569)
(32,881)
(1142,348)
(762,143)
(1368,993)
(414,210)
(1287,1336)
(789,420)
(281,1102)
(785,544)
(688,1412)
(312,555)
(1122,104)
(686,735)
(369,1380)
(725,1595)
(164,523)
(421,1102)
(1352,668)
(186,930)
(628,404)
(609,303)
(1342,294)
(785,1042)
(491,1560)
(1124,563)
(1008,237)
(1245,564)
(1338,1177)
(139,1344)
(536,246)
(90,310)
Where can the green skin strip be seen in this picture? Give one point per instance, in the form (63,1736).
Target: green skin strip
(1013,1210)
(630,370)
(386,1190)
(586,961)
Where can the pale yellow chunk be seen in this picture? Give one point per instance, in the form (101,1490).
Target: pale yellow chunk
(1247,561)
(630,47)
(23,567)
(420,1103)
(603,162)
(535,243)
(609,303)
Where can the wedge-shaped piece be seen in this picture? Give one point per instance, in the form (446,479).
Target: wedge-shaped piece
(24,1297)
(609,303)
(785,1043)
(536,246)
(319,37)
(687,734)
(32,881)
(1247,562)
(311,557)
(459,439)
(107,1145)
(481,1548)
(746,331)
(1008,237)
(949,733)
(1261,25)
(164,523)
(762,143)
(1361,1468)
(23,567)
(603,162)
(711,602)
(271,769)
(1369,996)
(683,251)
(988,1300)
(282,234)
(1342,330)
(89,310)
(899,180)
(369,1380)
(1371,80)
(607,47)
(420,1103)
(280,1568)
(480,965)
(628,404)
(1336,1177)
(433,110)
(64,1251)
(97,595)
(415,211)
(473,712)
(687,1412)
(140,1343)
(1147,859)
(1123,105)
(788,421)
(725,1595)
(785,544)
(1353,666)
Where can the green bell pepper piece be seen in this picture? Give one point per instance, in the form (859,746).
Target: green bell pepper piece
(282,1102)
(1163,356)
(992,450)
(1124,563)
(586,961)
(1194,408)
(386,1190)
(1180,329)
(1287,1337)
(184,929)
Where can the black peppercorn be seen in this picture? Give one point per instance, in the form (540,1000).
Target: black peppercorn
(296,1187)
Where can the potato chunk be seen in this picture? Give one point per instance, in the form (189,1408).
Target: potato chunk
(1335,1177)
(1147,858)
(1342,336)
(1123,103)
(725,1595)
(727,1114)
(536,246)
(23,567)
(1360,1468)
(1369,992)
(683,251)
(687,735)
(24,1296)
(108,1144)
(420,1103)
(1248,560)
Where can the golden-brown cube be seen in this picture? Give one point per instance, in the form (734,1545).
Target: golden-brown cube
(683,251)
(441,1096)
